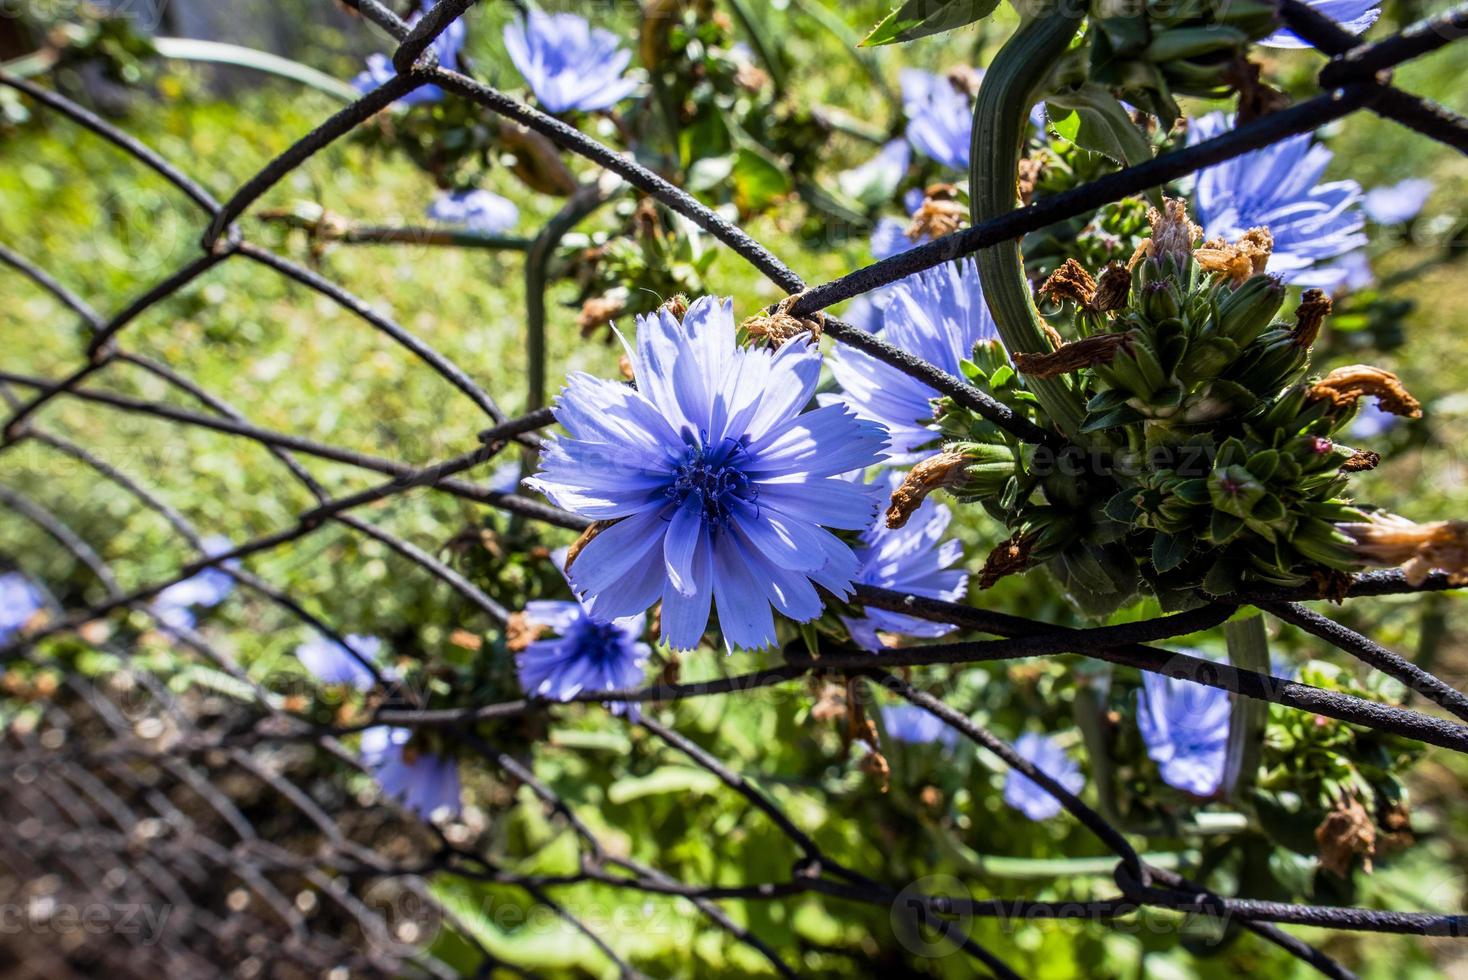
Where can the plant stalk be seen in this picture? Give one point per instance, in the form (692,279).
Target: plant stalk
(1015,82)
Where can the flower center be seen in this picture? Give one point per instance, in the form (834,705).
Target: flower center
(596,640)
(713,478)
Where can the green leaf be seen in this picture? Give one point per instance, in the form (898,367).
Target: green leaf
(1101,123)
(920,18)
(710,172)
(665,779)
(758,180)
(1169,550)
(1123,507)
(1224,527)
(1066,125)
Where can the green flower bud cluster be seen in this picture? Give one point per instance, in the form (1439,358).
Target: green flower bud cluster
(1198,348)
(1154,50)
(1206,460)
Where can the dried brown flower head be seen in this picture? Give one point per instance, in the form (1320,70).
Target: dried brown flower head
(1361,460)
(1031,169)
(598,312)
(1244,258)
(676,305)
(1070,282)
(1310,317)
(1112,289)
(1345,834)
(1087,352)
(1173,233)
(520,632)
(778,327)
(1009,558)
(1389,540)
(943,470)
(1344,386)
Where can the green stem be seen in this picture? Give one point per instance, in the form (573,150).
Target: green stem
(1093,689)
(1015,82)
(1248,649)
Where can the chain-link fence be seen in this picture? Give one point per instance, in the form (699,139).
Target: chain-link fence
(269,862)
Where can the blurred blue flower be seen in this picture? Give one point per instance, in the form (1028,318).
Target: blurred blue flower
(1372,421)
(446,46)
(937,315)
(178,604)
(1045,754)
(889,238)
(913,558)
(1185,727)
(1397,203)
(720,485)
(1276,186)
(1355,271)
(940,118)
(1352,15)
(331,663)
(587,654)
(873,182)
(19,601)
(421,781)
(505,478)
(476,210)
(909,723)
(568,63)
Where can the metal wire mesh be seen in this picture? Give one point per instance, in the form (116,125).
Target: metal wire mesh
(91,793)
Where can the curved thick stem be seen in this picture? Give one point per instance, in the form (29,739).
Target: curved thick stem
(1013,83)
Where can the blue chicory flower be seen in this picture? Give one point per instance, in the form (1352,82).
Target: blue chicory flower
(505,478)
(913,558)
(1372,421)
(177,605)
(1397,203)
(940,118)
(19,601)
(1355,271)
(587,654)
(918,726)
(937,315)
(568,63)
(1185,727)
(873,182)
(1352,15)
(721,487)
(1276,187)
(446,47)
(1045,753)
(421,781)
(331,663)
(477,210)
(889,238)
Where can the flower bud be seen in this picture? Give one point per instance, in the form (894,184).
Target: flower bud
(1245,310)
